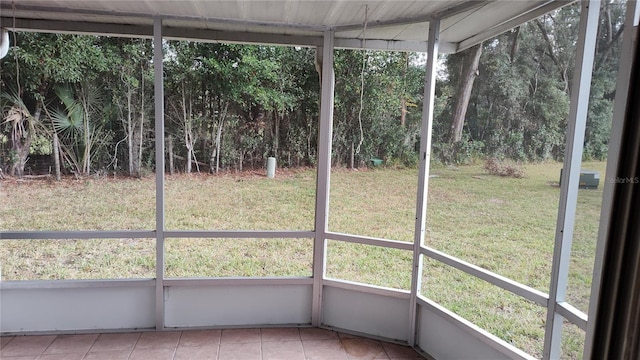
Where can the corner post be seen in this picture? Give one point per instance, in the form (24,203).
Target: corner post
(576,125)
(423,174)
(323,177)
(159,134)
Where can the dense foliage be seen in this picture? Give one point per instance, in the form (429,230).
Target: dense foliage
(520,99)
(228,107)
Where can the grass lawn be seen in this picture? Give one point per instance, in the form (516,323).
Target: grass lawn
(506,225)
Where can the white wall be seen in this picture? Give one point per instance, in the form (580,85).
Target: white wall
(76,309)
(237,305)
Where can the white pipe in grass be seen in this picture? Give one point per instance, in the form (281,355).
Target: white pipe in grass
(271,167)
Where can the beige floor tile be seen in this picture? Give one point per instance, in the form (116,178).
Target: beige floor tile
(200,338)
(317,334)
(282,350)
(108,355)
(197,352)
(328,349)
(382,356)
(113,342)
(27,345)
(240,336)
(240,351)
(160,339)
(280,334)
(229,344)
(395,351)
(71,344)
(152,354)
(70,356)
(361,348)
(4,340)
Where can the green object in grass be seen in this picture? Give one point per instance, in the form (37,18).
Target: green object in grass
(589,179)
(376,162)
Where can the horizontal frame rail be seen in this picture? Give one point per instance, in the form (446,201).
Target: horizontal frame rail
(235,281)
(572,314)
(366,288)
(79,234)
(74,284)
(369,241)
(515,287)
(234,234)
(141,234)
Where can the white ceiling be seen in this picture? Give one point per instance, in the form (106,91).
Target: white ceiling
(394,25)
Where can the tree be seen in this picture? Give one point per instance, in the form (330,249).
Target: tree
(22,124)
(519,104)
(37,62)
(79,123)
(129,83)
(468,73)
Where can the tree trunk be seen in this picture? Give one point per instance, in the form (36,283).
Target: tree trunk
(276,137)
(308,154)
(218,140)
(515,44)
(188,138)
(88,137)
(171,167)
(56,154)
(403,112)
(352,157)
(463,94)
(129,131)
(21,143)
(403,100)
(212,157)
(138,164)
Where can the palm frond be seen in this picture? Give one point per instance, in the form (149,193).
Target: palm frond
(65,124)
(12,100)
(15,112)
(69,121)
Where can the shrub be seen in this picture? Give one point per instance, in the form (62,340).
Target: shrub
(495,167)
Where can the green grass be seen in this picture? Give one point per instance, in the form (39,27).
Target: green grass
(238,257)
(505,225)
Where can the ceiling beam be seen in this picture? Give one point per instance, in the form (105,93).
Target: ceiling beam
(75,27)
(544,8)
(143,31)
(391,45)
(450,11)
(184,33)
(8,10)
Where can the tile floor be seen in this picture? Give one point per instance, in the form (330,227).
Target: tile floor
(229,344)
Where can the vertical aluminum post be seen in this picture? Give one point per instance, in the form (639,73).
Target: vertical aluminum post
(158,93)
(323,177)
(423,173)
(576,125)
(629,39)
